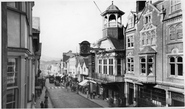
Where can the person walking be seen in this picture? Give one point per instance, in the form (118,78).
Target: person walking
(42,104)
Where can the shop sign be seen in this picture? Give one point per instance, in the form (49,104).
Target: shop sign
(177,96)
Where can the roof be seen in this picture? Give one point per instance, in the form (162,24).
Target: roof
(118,44)
(147,50)
(112,9)
(86,62)
(79,60)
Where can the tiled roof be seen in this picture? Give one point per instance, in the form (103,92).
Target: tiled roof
(118,44)
(112,9)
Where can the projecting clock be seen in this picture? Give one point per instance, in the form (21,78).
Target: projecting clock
(84,48)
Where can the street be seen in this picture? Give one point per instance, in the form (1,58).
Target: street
(63,98)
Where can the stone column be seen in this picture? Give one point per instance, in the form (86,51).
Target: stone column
(135,94)
(116,20)
(108,20)
(167,97)
(126,94)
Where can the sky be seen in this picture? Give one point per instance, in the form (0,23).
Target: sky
(66,23)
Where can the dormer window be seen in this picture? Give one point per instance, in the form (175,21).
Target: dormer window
(131,22)
(147,18)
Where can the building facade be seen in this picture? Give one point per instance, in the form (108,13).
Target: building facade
(154,59)
(110,58)
(19,55)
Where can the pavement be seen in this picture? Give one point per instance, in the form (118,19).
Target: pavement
(97,100)
(41,98)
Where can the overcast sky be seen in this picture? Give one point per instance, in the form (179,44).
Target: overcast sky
(66,23)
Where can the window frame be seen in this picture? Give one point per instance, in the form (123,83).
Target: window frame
(129,70)
(105,66)
(146,63)
(174,3)
(100,65)
(111,65)
(176,74)
(130,41)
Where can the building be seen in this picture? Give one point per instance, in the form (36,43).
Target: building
(154,54)
(110,58)
(19,54)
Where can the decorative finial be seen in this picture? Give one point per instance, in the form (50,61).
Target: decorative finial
(112,2)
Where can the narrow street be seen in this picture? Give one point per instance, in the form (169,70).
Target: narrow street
(63,98)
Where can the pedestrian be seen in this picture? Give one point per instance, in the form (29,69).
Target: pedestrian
(42,104)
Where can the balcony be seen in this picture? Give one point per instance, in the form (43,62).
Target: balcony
(112,24)
(108,78)
(147,79)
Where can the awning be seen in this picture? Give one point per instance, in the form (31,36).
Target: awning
(85,82)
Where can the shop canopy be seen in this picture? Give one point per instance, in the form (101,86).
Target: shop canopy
(85,82)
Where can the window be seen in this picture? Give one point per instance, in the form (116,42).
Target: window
(130,64)
(12,70)
(131,22)
(143,67)
(150,65)
(152,37)
(11,98)
(175,5)
(172,32)
(147,65)
(118,66)
(105,66)
(130,41)
(84,69)
(179,31)
(100,66)
(176,65)
(16,5)
(110,66)
(147,19)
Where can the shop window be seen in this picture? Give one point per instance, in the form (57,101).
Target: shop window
(110,66)
(105,66)
(176,65)
(175,5)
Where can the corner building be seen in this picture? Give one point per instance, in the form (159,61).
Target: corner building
(109,59)
(154,55)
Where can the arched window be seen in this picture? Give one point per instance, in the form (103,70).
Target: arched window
(172,32)
(112,20)
(179,31)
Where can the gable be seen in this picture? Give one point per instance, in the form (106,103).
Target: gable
(107,45)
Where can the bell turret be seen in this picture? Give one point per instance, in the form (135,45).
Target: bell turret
(112,22)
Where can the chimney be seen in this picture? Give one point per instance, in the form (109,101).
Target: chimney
(140,5)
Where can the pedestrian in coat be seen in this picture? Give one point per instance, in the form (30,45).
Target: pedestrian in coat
(42,104)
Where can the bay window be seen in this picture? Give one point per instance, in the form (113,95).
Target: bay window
(110,66)
(147,65)
(100,66)
(105,66)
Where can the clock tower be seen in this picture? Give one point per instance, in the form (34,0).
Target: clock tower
(112,22)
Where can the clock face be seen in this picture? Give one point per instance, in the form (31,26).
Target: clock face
(84,48)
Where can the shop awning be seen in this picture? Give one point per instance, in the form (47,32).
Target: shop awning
(85,82)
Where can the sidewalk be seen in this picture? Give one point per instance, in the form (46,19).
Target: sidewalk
(38,101)
(97,100)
